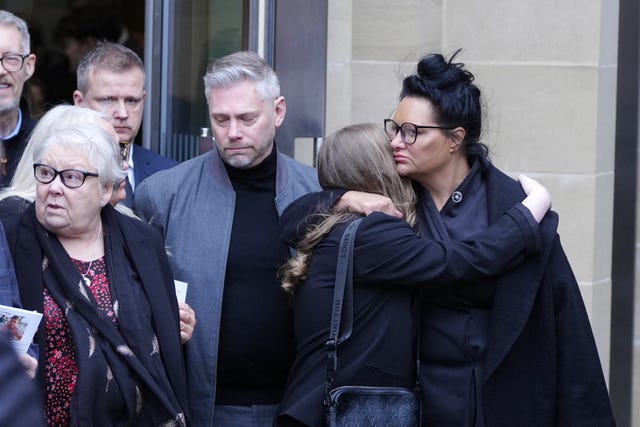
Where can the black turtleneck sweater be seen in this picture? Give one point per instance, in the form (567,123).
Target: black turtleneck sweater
(256,333)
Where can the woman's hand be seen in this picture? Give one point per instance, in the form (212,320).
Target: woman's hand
(538,199)
(30,365)
(187,321)
(365,203)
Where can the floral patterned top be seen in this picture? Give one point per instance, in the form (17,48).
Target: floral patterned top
(61,369)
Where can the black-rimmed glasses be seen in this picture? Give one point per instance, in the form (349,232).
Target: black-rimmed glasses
(408,131)
(13,62)
(71,178)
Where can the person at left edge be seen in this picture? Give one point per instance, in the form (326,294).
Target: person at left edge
(10,296)
(20,404)
(17,66)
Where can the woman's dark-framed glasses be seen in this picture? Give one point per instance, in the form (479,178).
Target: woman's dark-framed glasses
(408,131)
(71,178)
(13,62)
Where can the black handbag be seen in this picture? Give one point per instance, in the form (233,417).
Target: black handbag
(353,405)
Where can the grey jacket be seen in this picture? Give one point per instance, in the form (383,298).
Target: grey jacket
(192,205)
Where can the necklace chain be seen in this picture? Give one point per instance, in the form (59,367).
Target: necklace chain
(87,281)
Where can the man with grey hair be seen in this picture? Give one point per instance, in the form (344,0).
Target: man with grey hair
(111,80)
(219,215)
(17,65)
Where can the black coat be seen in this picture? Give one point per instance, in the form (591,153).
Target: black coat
(390,261)
(145,257)
(542,364)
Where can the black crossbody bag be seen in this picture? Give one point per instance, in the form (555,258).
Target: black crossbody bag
(361,405)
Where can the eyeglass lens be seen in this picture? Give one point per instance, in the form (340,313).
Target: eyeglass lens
(408,131)
(70,178)
(12,62)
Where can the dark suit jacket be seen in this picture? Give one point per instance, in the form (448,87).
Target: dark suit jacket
(15,146)
(390,261)
(542,364)
(147,162)
(146,254)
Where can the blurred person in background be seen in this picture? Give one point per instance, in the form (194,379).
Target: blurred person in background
(17,65)
(111,80)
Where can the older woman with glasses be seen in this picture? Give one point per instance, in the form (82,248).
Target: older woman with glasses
(110,348)
(17,197)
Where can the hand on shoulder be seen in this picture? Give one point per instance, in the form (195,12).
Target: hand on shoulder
(366,203)
(538,199)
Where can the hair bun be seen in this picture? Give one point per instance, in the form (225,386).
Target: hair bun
(435,70)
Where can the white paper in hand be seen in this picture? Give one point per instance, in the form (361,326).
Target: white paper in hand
(21,325)
(181,291)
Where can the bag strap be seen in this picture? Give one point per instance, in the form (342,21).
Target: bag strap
(343,301)
(343,281)
(416,305)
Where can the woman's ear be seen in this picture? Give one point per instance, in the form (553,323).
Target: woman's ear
(456,137)
(107,191)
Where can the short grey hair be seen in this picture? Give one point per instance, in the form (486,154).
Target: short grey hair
(10,20)
(94,143)
(242,66)
(109,56)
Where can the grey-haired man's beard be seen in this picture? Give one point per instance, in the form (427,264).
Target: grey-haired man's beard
(239,162)
(8,106)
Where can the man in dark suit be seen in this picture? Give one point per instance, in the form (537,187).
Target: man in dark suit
(111,80)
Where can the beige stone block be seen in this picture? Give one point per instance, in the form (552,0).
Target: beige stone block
(606,119)
(636,385)
(339,30)
(603,230)
(584,205)
(574,201)
(597,299)
(525,31)
(541,118)
(338,101)
(375,91)
(401,30)
(609,20)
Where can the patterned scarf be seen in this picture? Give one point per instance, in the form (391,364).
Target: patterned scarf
(121,377)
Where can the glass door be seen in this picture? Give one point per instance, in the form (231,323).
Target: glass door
(183,37)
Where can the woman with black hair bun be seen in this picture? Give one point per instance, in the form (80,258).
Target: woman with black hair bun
(520,350)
